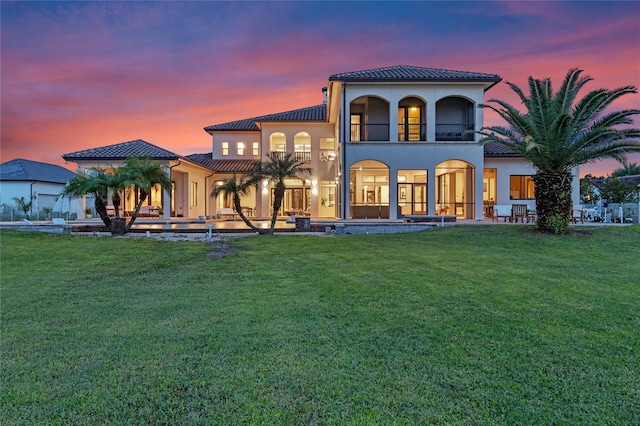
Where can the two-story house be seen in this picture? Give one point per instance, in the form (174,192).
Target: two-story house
(384,143)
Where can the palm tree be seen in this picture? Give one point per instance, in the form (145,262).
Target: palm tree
(278,168)
(23,205)
(143,174)
(98,183)
(627,169)
(236,187)
(558,132)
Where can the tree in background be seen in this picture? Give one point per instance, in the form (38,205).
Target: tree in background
(558,132)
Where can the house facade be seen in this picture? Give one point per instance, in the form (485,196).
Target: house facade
(385,143)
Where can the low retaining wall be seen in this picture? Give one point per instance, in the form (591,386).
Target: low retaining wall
(48,228)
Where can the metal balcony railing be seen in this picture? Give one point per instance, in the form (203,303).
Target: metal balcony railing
(302,156)
(412,132)
(369,132)
(454,132)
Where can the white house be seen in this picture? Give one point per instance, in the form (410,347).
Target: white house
(36,181)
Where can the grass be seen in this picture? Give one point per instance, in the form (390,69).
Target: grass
(462,325)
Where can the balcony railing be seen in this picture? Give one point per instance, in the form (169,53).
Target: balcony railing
(302,156)
(454,132)
(412,132)
(369,132)
(298,156)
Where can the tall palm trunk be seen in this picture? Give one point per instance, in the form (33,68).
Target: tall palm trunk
(101,209)
(553,200)
(278,196)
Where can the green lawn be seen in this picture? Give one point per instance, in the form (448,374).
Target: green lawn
(463,325)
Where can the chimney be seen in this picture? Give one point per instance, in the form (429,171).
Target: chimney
(324,95)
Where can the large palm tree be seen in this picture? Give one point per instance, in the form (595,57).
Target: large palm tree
(278,168)
(558,132)
(97,182)
(143,173)
(236,187)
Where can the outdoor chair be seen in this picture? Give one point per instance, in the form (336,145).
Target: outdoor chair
(503,211)
(519,212)
(577,214)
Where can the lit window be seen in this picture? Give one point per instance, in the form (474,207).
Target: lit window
(225,148)
(193,194)
(255,151)
(240,148)
(521,187)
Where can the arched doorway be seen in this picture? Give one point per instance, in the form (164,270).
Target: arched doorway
(369,190)
(455,183)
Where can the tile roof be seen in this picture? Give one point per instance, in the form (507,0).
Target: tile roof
(222,166)
(312,113)
(494,149)
(411,73)
(121,151)
(20,170)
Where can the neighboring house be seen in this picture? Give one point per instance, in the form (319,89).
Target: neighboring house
(33,180)
(189,196)
(385,142)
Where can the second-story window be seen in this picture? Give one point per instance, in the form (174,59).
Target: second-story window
(225,148)
(240,148)
(255,150)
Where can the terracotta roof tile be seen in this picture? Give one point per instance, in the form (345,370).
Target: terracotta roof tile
(222,166)
(412,73)
(312,113)
(494,149)
(121,151)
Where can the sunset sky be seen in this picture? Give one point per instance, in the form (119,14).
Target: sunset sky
(79,75)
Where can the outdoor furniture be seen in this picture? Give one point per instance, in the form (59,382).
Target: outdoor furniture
(503,211)
(226,212)
(577,214)
(519,212)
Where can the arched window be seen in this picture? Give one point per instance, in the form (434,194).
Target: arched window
(455,117)
(302,146)
(277,142)
(455,183)
(369,190)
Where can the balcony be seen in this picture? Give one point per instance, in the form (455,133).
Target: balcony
(298,156)
(412,132)
(454,132)
(369,132)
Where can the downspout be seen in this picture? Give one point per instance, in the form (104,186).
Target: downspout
(31,198)
(345,189)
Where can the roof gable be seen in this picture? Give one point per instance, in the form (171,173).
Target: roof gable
(401,73)
(120,151)
(27,170)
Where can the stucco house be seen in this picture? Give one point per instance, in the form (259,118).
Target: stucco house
(384,143)
(33,180)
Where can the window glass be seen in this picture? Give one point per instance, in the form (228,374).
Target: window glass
(255,150)
(240,148)
(225,148)
(521,187)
